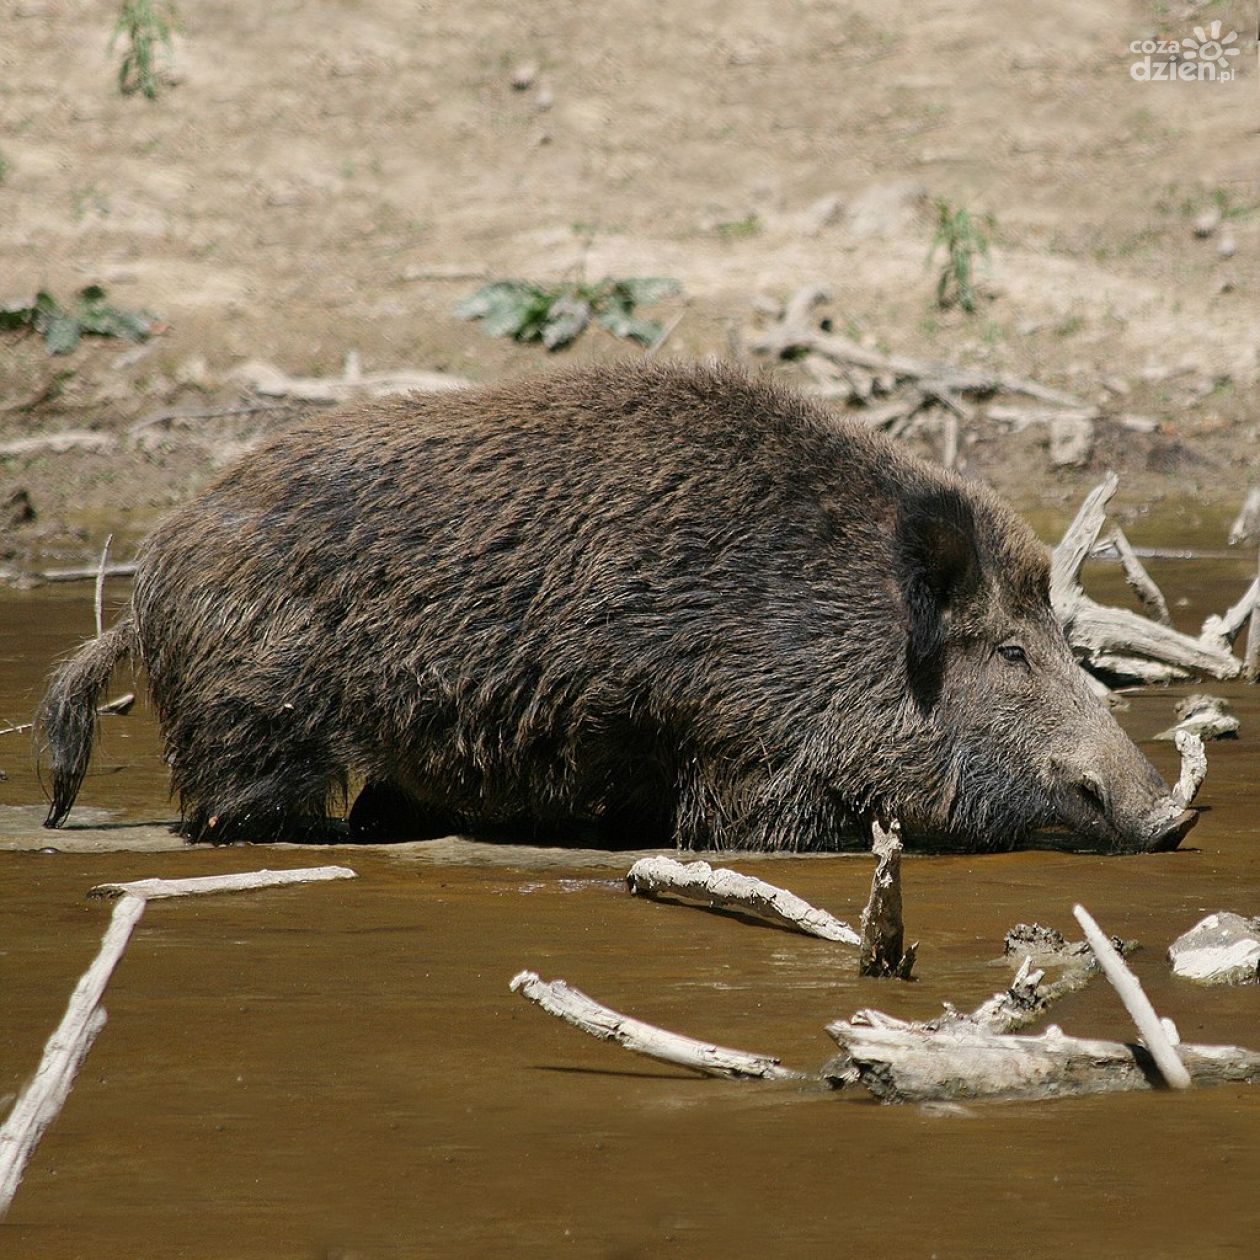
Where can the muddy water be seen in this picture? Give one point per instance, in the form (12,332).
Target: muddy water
(340,1070)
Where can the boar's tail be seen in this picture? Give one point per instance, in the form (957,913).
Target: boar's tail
(66,721)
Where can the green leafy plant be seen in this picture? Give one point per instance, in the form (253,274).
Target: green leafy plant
(63,329)
(557,316)
(740,229)
(964,238)
(146,26)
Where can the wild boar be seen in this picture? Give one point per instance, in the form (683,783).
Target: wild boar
(638,604)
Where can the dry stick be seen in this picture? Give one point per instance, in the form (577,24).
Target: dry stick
(908,1063)
(663,336)
(152,889)
(1223,630)
(574,1007)
(883,934)
(1137,577)
(1251,658)
(100,586)
(1107,636)
(1193,767)
(1247,524)
(65,1050)
(42,1099)
(1135,1001)
(795,332)
(719,889)
(86,573)
(115,708)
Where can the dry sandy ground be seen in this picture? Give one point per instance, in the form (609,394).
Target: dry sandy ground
(321,177)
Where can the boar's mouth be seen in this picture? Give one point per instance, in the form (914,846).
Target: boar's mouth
(1088,810)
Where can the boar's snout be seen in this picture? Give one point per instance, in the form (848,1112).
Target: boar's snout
(1132,807)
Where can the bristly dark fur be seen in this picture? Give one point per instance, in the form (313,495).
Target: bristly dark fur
(662,603)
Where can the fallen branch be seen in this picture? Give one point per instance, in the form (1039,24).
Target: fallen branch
(1143,585)
(154,889)
(1251,657)
(1246,526)
(86,573)
(166,419)
(907,1063)
(270,381)
(39,1103)
(574,1007)
(883,934)
(1193,767)
(59,443)
(43,1098)
(725,889)
(1223,948)
(1223,630)
(115,708)
(100,586)
(1117,640)
(1129,990)
(796,332)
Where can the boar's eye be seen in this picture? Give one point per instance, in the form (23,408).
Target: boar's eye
(1013,652)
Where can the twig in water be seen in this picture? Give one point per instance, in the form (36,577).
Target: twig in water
(721,889)
(100,586)
(1193,767)
(883,934)
(1137,577)
(115,708)
(574,1007)
(44,1096)
(1135,1001)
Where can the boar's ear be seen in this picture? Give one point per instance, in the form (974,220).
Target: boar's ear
(938,569)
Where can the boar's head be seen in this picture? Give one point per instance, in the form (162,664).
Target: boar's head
(1018,739)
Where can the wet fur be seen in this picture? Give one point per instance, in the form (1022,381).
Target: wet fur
(659,604)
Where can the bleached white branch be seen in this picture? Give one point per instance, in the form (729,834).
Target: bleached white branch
(152,889)
(698,881)
(1129,990)
(574,1007)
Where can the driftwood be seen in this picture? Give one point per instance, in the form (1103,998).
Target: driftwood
(117,707)
(883,934)
(1143,585)
(1246,526)
(99,601)
(974,1056)
(718,889)
(1117,640)
(266,379)
(59,443)
(909,1063)
(574,1007)
(1251,657)
(156,889)
(1223,630)
(85,573)
(1208,717)
(1224,948)
(43,1098)
(797,332)
(1193,767)
(1129,990)
(39,1103)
